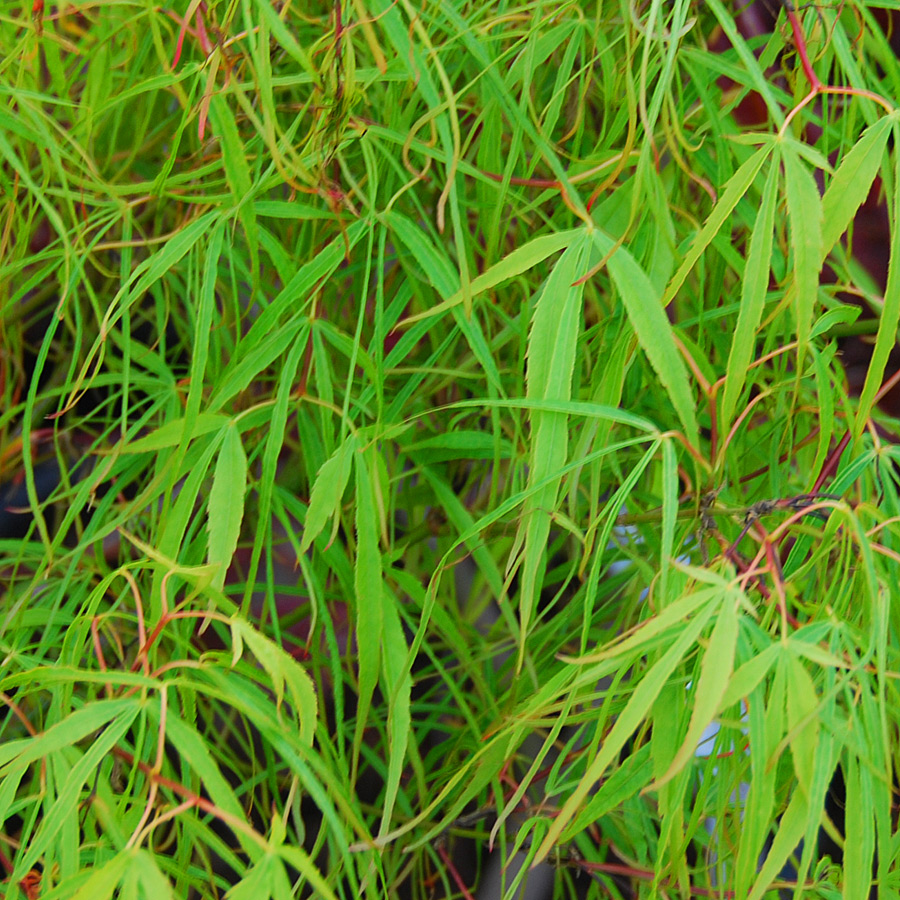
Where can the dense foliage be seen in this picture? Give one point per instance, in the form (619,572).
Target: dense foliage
(423,429)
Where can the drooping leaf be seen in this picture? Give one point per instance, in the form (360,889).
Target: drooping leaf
(852,181)
(283,670)
(805,218)
(225,511)
(653,329)
(715,673)
(328,490)
(890,312)
(753,297)
(646,690)
(554,331)
(734,190)
(369,592)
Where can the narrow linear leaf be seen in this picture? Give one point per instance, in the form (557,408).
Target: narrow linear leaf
(327,491)
(105,879)
(790,831)
(890,312)
(369,590)
(671,617)
(753,297)
(852,182)
(283,670)
(715,673)
(766,730)
(737,187)
(17,755)
(66,803)
(398,687)
(171,433)
(552,339)
(300,861)
(258,883)
(805,216)
(237,172)
(515,263)
(803,723)
(653,329)
(150,271)
(152,880)
(225,510)
(859,819)
(646,692)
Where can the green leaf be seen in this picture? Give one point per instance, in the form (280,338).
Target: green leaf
(398,688)
(753,297)
(646,691)
(634,773)
(283,670)
(66,803)
(670,618)
(805,218)
(513,264)
(259,882)
(735,189)
(369,590)
(104,879)
(803,722)
(653,329)
(328,490)
(890,311)
(152,880)
(171,434)
(194,752)
(715,673)
(852,181)
(237,172)
(17,755)
(555,327)
(790,832)
(226,504)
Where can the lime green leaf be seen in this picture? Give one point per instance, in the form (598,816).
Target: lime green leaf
(283,670)
(715,673)
(151,879)
(226,503)
(515,263)
(300,861)
(259,882)
(753,297)
(737,187)
(750,674)
(653,329)
(65,805)
(669,618)
(790,831)
(369,591)
(398,688)
(803,723)
(632,775)
(890,312)
(766,729)
(852,181)
(170,434)
(237,172)
(105,879)
(859,819)
(555,327)
(16,755)
(805,217)
(645,693)
(327,491)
